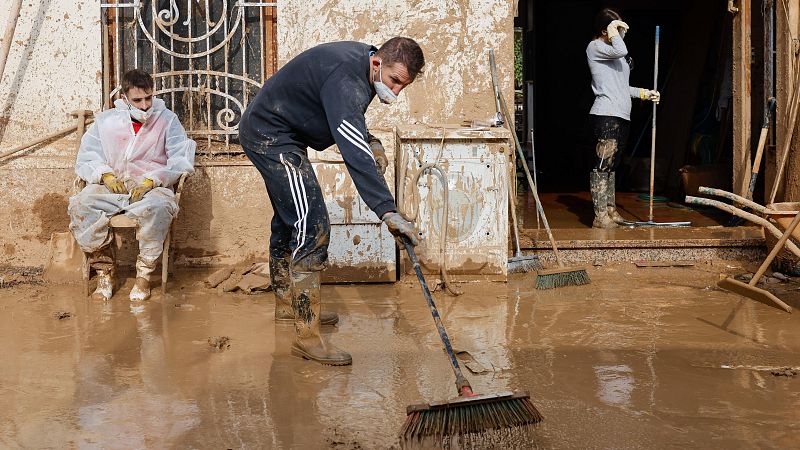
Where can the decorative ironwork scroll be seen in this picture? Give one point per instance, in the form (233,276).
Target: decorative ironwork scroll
(208,58)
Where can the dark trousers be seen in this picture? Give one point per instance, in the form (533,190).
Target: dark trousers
(612,135)
(300,225)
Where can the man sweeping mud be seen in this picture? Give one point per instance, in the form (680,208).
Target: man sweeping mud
(317,99)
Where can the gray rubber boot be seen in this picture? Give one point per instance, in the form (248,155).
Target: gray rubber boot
(308,342)
(611,198)
(282,287)
(598,182)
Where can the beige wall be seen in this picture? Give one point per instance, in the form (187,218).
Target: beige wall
(55,67)
(454,35)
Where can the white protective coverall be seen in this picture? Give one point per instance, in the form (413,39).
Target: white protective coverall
(161,151)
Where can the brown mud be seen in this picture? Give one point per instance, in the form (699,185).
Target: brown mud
(640,358)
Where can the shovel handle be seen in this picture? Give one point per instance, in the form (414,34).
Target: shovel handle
(461,382)
(775,250)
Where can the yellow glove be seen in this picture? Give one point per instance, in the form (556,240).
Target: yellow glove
(138,192)
(113,184)
(647,94)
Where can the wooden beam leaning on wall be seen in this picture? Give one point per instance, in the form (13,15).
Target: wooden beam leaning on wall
(742,75)
(787,20)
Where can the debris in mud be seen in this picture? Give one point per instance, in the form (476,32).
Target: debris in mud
(340,442)
(61,315)
(184,306)
(784,372)
(14,276)
(219,343)
(247,277)
(780,276)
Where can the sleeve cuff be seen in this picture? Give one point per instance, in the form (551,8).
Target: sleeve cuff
(383,208)
(97,173)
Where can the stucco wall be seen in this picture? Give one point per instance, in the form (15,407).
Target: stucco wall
(454,35)
(55,67)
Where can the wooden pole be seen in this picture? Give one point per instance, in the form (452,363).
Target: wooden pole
(11,25)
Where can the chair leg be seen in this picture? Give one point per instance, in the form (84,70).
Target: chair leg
(87,274)
(165,263)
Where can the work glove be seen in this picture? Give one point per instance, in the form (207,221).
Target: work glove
(648,94)
(113,184)
(401,228)
(614,26)
(138,192)
(381,161)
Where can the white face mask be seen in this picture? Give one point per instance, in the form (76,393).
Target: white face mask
(385,95)
(136,113)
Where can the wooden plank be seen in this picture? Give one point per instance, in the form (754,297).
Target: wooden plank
(787,15)
(742,115)
(664,263)
(754,293)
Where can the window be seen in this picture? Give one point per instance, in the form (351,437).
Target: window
(208,59)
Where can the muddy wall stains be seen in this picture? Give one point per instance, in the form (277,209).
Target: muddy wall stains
(51,210)
(455,36)
(51,68)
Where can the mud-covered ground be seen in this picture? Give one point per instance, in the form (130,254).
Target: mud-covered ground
(640,358)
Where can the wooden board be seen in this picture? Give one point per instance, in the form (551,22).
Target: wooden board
(664,263)
(754,293)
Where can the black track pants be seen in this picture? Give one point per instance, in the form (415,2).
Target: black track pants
(300,224)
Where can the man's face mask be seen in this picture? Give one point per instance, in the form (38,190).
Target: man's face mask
(385,95)
(136,113)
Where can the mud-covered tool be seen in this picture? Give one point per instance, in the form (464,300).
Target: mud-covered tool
(519,263)
(561,275)
(468,419)
(750,290)
(762,141)
(650,222)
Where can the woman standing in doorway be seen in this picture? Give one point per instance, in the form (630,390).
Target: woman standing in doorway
(611,111)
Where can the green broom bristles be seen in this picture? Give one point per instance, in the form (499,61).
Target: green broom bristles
(484,418)
(568,277)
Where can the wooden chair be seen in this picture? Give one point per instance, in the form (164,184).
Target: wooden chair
(122,221)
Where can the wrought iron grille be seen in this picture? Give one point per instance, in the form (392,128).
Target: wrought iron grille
(208,58)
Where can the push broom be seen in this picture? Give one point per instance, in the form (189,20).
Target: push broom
(468,418)
(562,275)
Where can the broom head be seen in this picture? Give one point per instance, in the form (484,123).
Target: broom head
(561,276)
(470,419)
(523,264)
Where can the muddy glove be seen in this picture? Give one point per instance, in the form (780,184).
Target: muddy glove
(138,192)
(113,184)
(647,94)
(381,162)
(614,28)
(400,227)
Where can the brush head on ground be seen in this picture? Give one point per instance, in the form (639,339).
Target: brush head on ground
(565,277)
(524,264)
(472,419)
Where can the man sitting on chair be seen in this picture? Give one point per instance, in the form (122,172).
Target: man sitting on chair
(129,158)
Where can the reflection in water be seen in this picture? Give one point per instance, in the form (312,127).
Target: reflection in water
(614,384)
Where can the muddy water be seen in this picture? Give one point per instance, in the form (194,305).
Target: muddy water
(641,358)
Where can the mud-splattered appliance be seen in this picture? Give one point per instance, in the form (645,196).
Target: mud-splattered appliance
(361,248)
(477,164)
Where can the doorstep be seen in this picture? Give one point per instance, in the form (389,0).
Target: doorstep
(582,245)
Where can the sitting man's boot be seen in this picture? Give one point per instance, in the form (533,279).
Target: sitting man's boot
(103,263)
(598,182)
(105,285)
(611,198)
(141,287)
(281,286)
(308,343)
